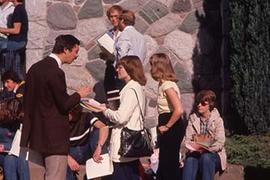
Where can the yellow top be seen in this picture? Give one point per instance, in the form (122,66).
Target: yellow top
(163,105)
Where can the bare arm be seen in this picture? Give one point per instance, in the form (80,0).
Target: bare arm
(15,30)
(73,164)
(174,100)
(103,134)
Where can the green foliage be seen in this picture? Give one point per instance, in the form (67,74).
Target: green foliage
(250,62)
(249,150)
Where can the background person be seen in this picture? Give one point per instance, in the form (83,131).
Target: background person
(170,125)
(205,121)
(82,124)
(15,168)
(130,42)
(6,11)
(17,36)
(47,104)
(130,70)
(112,84)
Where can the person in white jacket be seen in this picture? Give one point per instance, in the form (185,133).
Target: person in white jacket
(6,11)
(130,70)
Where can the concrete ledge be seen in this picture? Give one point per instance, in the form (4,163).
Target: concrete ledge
(233,172)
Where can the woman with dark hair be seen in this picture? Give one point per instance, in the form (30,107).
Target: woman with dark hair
(132,103)
(170,125)
(205,126)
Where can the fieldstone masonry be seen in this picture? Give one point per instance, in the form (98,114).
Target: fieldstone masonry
(180,28)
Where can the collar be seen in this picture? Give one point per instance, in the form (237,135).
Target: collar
(59,62)
(17,86)
(9,5)
(115,34)
(128,27)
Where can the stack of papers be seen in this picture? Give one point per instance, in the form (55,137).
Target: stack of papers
(91,105)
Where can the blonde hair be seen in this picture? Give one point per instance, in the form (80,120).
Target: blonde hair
(161,68)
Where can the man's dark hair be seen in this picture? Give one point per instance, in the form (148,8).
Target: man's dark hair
(64,42)
(10,75)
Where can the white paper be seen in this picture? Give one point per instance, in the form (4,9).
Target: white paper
(94,170)
(154,160)
(91,104)
(107,42)
(15,146)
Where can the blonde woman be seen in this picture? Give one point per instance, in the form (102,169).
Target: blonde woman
(170,126)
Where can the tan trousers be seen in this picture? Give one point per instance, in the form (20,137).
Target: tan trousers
(55,167)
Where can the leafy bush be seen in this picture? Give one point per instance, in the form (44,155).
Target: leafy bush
(250,62)
(249,150)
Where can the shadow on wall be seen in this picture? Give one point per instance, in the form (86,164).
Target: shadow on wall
(207,58)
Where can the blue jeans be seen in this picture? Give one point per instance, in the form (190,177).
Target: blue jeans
(204,165)
(3,45)
(16,168)
(12,57)
(82,153)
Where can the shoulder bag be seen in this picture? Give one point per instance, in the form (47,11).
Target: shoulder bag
(135,143)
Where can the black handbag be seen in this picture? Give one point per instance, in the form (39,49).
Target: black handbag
(135,143)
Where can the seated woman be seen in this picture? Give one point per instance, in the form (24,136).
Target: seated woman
(82,126)
(205,138)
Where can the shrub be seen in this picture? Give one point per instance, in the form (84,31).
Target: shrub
(251,150)
(250,62)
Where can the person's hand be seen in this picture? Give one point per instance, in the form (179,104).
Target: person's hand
(196,147)
(102,107)
(84,91)
(96,156)
(73,164)
(163,129)
(2,148)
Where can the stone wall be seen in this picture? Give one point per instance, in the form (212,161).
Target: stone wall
(188,30)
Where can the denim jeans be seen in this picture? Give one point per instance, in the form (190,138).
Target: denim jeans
(12,57)
(204,165)
(16,168)
(82,153)
(3,45)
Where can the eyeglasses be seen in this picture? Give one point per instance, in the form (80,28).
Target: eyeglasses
(203,103)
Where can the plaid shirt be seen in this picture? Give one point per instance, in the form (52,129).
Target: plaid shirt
(203,127)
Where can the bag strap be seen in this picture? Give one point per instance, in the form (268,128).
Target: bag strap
(139,106)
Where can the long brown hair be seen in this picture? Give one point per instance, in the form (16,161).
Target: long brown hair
(134,68)
(161,68)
